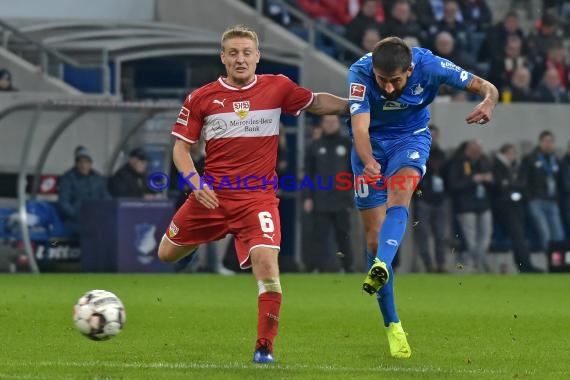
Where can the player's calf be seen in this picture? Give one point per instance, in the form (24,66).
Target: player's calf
(269,306)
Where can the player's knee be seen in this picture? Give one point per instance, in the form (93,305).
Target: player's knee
(165,255)
(170,253)
(265,263)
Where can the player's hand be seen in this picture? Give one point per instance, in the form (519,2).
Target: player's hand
(478,178)
(481,114)
(372,169)
(206,196)
(308,205)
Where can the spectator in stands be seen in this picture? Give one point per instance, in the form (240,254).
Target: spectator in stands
(503,67)
(131,180)
(469,175)
(494,43)
(332,207)
(555,59)
(476,14)
(426,11)
(369,39)
(272,10)
(335,12)
(550,90)
(539,175)
(565,189)
(79,184)
(430,209)
(546,34)
(520,86)
(402,24)
(444,46)
(276,12)
(412,41)
(365,19)
(452,23)
(6,80)
(508,205)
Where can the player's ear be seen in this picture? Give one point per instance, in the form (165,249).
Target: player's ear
(258,56)
(410,71)
(222,57)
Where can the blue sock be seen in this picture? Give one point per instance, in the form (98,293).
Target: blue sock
(369,259)
(385,296)
(392,233)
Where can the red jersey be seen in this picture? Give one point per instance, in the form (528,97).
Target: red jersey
(241,128)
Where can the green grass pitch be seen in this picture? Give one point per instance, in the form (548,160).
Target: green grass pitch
(203,327)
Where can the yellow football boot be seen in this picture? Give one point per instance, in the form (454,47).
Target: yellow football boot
(399,347)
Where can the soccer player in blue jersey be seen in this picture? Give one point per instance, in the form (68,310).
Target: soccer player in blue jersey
(390,90)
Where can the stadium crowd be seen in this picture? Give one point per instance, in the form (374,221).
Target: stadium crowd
(469,202)
(525,64)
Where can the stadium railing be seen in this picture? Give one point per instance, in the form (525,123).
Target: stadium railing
(44,53)
(313,27)
(73,108)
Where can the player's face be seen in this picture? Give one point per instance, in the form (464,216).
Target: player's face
(240,56)
(392,84)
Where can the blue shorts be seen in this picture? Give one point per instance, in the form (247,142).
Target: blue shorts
(392,155)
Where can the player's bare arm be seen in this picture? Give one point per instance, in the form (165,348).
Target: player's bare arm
(328,104)
(360,124)
(183,161)
(483,112)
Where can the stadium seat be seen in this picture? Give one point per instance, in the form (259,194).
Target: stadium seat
(43,222)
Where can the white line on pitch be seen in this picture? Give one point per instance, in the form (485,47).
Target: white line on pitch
(19,377)
(236,365)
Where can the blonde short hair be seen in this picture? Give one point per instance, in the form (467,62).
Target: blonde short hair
(240,31)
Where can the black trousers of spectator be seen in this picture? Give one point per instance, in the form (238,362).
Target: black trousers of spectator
(323,259)
(511,217)
(566,216)
(433,222)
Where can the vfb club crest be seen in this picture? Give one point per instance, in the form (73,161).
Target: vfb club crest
(241,108)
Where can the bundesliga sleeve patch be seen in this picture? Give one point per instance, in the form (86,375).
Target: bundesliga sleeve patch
(357,91)
(183,116)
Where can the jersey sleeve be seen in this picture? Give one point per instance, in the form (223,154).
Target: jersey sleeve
(447,72)
(188,125)
(358,94)
(296,98)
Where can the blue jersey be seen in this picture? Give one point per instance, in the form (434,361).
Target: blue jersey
(409,113)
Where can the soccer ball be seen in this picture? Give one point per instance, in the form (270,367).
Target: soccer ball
(99,315)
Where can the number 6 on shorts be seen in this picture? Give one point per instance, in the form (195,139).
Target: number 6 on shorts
(266,222)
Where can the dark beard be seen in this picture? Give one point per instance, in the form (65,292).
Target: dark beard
(393,96)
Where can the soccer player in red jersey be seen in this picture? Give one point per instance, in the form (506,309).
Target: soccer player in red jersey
(238,117)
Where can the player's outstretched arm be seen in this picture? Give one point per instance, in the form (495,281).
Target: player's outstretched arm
(183,161)
(483,112)
(360,123)
(328,104)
